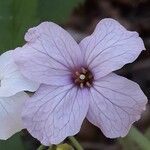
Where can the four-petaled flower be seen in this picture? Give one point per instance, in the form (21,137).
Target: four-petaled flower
(77,81)
(12,97)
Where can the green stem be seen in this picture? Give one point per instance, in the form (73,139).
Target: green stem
(42,147)
(75,143)
(52,147)
(136,136)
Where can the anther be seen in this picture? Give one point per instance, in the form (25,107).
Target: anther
(81,85)
(90,76)
(77,73)
(84,71)
(88,84)
(76,80)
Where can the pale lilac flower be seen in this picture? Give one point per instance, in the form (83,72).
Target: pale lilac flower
(77,81)
(12,97)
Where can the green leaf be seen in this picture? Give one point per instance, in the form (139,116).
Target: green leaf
(127,144)
(57,10)
(147,133)
(14,143)
(16,16)
(137,138)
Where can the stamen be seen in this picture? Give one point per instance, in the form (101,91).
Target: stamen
(76,80)
(81,85)
(84,71)
(77,73)
(88,84)
(90,76)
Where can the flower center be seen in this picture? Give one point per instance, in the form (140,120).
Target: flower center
(83,78)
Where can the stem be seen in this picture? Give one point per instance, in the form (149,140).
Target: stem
(136,136)
(42,147)
(75,143)
(52,147)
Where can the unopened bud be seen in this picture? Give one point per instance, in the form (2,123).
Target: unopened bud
(64,147)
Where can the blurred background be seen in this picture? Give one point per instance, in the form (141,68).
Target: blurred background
(80,17)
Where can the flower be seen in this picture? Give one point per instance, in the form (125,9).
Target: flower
(11,80)
(12,97)
(77,81)
(10,110)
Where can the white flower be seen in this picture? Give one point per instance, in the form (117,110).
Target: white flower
(11,80)
(12,97)
(10,114)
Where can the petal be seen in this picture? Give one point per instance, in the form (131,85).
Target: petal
(116,103)
(12,81)
(110,47)
(54,113)
(49,55)
(10,118)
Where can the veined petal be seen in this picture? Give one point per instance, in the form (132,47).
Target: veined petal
(11,79)
(10,114)
(49,55)
(115,104)
(110,47)
(55,113)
